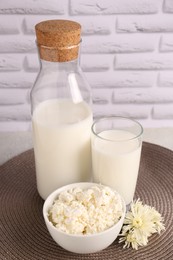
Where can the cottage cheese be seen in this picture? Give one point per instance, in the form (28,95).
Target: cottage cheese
(89,211)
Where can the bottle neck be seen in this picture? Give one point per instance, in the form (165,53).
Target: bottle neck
(68,66)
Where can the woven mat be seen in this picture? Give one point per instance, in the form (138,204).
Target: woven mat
(23,234)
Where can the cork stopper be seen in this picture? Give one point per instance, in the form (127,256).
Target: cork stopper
(58,40)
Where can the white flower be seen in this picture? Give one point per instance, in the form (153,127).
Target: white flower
(157,220)
(141,222)
(131,238)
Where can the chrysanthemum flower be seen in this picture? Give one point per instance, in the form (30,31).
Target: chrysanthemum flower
(141,222)
(157,220)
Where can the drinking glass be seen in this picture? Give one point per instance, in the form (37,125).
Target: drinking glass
(116,151)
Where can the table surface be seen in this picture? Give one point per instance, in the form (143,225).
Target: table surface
(14,143)
(24,235)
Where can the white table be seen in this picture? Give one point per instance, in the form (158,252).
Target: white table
(14,143)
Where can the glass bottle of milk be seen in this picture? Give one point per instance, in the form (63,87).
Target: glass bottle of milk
(61,113)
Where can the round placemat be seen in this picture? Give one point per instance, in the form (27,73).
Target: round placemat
(24,235)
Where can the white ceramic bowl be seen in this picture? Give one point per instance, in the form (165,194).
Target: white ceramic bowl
(81,244)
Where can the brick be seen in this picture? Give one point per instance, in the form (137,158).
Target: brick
(166,44)
(9,25)
(15,126)
(97,26)
(119,44)
(101,96)
(146,61)
(99,100)
(10,62)
(31,63)
(97,7)
(133,111)
(18,112)
(29,23)
(90,26)
(145,24)
(168,6)
(17,80)
(121,79)
(143,96)
(163,112)
(13,96)
(154,123)
(33,7)
(19,44)
(94,63)
(165,79)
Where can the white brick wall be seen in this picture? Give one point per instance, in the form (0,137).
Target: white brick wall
(127,56)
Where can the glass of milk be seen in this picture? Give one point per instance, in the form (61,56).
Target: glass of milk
(116,150)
